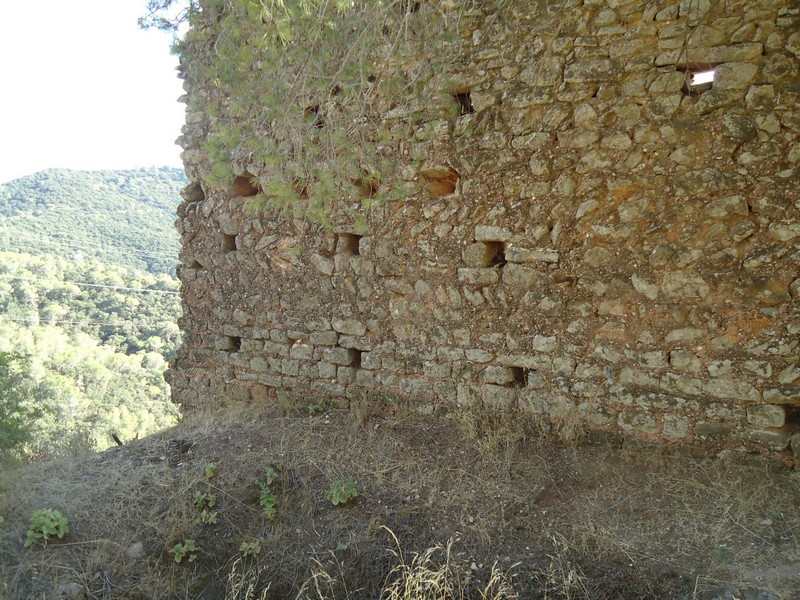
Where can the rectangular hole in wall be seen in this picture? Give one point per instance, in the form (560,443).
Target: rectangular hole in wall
(520,376)
(348,243)
(233,343)
(228,243)
(793,416)
(697,78)
(464,102)
(499,259)
(356,359)
(497,254)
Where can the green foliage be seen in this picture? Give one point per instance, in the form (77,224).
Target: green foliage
(318,407)
(119,217)
(78,363)
(293,90)
(208,517)
(15,413)
(184,550)
(267,500)
(341,492)
(45,524)
(167,15)
(270,475)
(205,501)
(250,548)
(86,295)
(210,469)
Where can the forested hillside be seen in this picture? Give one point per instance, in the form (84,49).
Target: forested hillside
(88,308)
(119,217)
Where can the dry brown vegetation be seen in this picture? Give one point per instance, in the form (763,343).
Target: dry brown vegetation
(465,507)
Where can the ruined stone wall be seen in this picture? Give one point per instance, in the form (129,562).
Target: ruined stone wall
(590,239)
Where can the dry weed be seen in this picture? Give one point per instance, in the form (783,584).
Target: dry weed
(626,517)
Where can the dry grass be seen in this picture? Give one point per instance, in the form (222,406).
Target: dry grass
(482,506)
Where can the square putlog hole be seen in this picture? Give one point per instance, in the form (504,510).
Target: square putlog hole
(233,343)
(228,243)
(348,243)
(697,79)
(440,181)
(464,100)
(520,376)
(245,185)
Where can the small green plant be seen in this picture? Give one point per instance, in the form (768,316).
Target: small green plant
(318,407)
(270,474)
(267,499)
(250,548)
(204,501)
(186,549)
(210,470)
(342,492)
(45,524)
(2,522)
(208,517)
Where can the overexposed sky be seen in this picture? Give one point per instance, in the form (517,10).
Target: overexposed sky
(81,87)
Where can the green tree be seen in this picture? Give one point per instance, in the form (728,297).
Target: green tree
(15,416)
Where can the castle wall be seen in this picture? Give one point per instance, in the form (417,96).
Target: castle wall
(590,238)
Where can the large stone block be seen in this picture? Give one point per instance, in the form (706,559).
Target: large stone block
(787,394)
(766,415)
(601,69)
(348,326)
(340,356)
(479,277)
(497,396)
(497,375)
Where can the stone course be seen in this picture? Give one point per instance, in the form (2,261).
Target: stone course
(619,248)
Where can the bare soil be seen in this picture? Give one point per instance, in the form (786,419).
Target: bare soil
(558,520)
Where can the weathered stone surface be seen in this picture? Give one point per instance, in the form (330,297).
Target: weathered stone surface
(577,138)
(593,241)
(479,254)
(479,276)
(684,334)
(788,394)
(734,75)
(790,374)
(496,396)
(724,207)
(638,419)
(712,430)
(766,415)
(519,276)
(774,440)
(717,54)
(723,387)
(323,264)
(519,254)
(492,233)
(590,70)
(348,326)
(339,356)
(497,375)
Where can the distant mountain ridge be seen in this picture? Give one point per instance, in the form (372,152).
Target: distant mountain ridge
(121,217)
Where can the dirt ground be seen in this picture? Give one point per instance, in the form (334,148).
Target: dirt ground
(491,505)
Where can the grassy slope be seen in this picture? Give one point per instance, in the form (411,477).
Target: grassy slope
(121,217)
(564,522)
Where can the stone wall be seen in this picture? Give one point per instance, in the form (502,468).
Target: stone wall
(592,239)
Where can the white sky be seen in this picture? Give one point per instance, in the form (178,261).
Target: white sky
(81,87)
